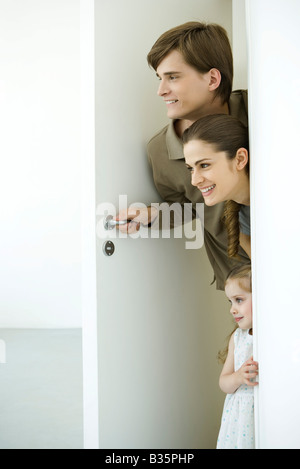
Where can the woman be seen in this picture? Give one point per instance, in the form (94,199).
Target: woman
(216,151)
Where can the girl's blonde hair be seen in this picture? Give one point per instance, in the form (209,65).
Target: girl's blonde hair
(243,274)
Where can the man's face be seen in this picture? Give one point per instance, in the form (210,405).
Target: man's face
(185,90)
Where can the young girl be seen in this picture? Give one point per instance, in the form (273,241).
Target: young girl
(237,378)
(216,152)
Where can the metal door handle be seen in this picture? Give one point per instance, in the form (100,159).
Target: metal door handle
(110,224)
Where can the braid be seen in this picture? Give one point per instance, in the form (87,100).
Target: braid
(231,219)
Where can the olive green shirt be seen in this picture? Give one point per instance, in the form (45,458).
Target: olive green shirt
(173,182)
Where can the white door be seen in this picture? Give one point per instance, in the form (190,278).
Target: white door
(274,39)
(152,323)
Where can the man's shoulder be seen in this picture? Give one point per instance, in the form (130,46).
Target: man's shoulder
(157,147)
(158,137)
(238,105)
(241,92)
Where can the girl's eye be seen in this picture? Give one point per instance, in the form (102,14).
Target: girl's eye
(204,165)
(239,300)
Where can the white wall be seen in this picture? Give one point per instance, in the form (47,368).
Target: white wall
(239,45)
(40,245)
(274,66)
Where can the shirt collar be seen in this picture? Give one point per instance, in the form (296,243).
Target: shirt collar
(236,108)
(174,143)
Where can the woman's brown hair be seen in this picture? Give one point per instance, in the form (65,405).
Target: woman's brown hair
(226,134)
(203,47)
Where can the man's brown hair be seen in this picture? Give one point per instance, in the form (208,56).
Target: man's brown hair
(203,46)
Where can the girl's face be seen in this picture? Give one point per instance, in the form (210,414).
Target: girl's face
(217,177)
(241,302)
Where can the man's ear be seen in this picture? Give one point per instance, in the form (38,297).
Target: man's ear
(241,158)
(215,79)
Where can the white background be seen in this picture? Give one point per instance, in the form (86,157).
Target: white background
(40,238)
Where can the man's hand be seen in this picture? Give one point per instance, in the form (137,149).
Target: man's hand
(136,216)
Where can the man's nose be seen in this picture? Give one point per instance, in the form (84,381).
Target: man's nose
(162,89)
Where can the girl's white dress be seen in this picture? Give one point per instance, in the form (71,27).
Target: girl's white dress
(237,425)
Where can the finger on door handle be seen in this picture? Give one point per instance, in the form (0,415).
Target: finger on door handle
(110,223)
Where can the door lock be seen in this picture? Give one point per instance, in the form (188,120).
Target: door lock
(108,248)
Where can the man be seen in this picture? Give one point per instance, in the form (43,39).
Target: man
(194,65)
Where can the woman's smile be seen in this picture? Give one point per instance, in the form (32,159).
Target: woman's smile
(207,191)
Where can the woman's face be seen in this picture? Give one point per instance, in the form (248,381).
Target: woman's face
(217,177)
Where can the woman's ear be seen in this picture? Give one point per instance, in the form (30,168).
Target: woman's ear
(241,158)
(215,79)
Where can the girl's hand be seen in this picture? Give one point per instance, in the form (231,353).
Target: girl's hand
(247,372)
